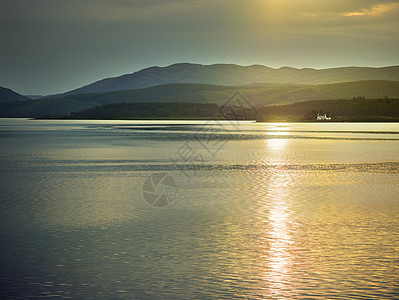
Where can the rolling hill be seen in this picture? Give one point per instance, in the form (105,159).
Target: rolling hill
(257,94)
(230,74)
(7,95)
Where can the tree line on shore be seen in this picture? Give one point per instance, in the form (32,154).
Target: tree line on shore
(356,109)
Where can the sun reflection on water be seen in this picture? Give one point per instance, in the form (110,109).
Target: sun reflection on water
(277,144)
(280,240)
(277,140)
(278,260)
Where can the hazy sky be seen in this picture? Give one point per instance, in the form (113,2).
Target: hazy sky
(51,46)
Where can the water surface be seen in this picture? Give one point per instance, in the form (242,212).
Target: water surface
(281,211)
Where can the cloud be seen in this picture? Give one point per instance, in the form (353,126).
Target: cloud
(375,10)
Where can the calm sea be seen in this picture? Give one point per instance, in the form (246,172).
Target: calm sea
(198,210)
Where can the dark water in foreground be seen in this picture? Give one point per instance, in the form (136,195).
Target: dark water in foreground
(262,211)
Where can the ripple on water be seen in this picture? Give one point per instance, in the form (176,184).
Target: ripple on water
(274,217)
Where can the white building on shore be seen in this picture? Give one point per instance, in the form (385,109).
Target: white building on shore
(322,117)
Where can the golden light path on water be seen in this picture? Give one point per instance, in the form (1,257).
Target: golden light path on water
(279,257)
(278,144)
(279,236)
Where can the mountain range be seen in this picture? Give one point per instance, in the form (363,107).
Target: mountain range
(193,83)
(257,94)
(230,74)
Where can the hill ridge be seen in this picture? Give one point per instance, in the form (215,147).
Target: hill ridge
(8,95)
(233,74)
(257,94)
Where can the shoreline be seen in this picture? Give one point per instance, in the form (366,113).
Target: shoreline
(395,120)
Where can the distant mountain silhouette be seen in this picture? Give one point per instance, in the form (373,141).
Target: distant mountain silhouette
(34,97)
(257,94)
(7,95)
(230,74)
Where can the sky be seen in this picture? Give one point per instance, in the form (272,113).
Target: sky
(52,46)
